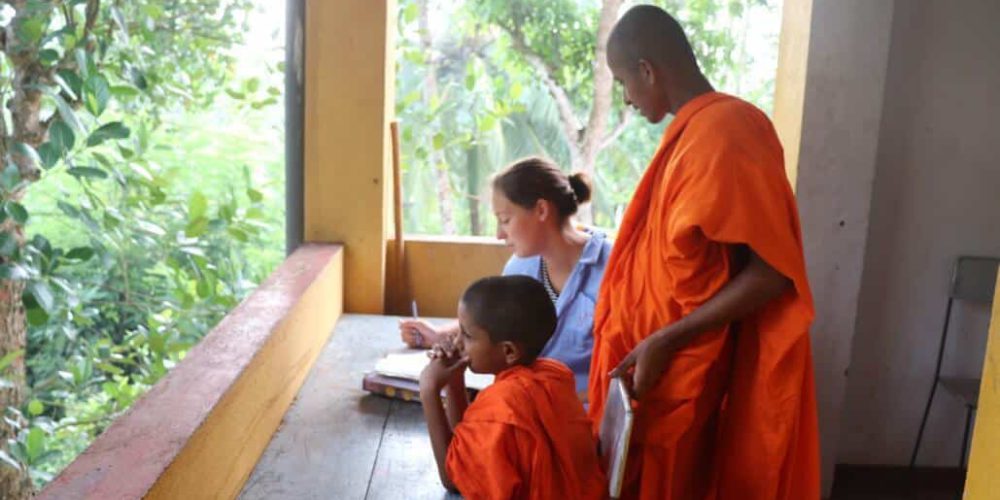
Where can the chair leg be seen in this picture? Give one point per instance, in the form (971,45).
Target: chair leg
(923,424)
(965,438)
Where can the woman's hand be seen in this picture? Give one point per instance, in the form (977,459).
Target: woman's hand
(642,368)
(418,333)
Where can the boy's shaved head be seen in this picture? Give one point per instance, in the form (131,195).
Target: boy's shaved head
(647,32)
(512,308)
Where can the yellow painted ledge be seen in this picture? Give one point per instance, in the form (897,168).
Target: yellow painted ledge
(199,432)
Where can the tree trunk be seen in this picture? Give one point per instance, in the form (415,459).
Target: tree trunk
(25,127)
(440,167)
(14,484)
(593,140)
(472,191)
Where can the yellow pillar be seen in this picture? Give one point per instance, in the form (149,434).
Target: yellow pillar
(982,481)
(790,82)
(349,102)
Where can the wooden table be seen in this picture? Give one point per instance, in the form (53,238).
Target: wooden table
(339,442)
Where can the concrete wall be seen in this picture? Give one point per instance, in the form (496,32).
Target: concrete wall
(841,112)
(936,196)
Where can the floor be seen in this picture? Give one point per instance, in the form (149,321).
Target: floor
(897,483)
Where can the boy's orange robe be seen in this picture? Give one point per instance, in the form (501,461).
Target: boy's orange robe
(526,436)
(734,414)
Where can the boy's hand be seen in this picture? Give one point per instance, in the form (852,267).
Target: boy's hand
(441,370)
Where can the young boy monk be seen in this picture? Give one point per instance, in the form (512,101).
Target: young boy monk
(525,436)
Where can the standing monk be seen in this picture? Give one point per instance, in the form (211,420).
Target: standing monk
(705,305)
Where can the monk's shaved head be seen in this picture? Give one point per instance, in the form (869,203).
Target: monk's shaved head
(647,32)
(651,57)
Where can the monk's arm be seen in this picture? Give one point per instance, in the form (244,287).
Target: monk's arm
(439,430)
(753,287)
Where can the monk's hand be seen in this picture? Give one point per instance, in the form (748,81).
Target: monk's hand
(642,368)
(441,370)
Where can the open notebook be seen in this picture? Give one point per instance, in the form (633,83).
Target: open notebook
(401,370)
(615,433)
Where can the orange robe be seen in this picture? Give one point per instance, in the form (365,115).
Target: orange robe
(734,415)
(526,436)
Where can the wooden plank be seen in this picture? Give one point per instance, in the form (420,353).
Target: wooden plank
(405,467)
(327,444)
(346,137)
(982,481)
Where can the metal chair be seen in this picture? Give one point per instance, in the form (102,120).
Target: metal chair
(974,281)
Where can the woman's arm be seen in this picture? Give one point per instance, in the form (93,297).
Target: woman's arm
(429,334)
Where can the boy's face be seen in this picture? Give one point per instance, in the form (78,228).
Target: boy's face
(484,355)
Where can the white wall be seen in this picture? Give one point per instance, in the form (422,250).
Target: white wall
(936,196)
(842,108)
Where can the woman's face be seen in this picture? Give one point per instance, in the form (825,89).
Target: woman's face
(521,228)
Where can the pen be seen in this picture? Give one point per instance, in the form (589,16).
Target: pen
(416,332)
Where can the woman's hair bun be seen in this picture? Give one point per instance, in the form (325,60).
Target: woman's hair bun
(582,187)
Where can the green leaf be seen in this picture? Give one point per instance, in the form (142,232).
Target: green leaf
(70,82)
(10,178)
(82,62)
(411,12)
(150,228)
(36,316)
(81,253)
(252,85)
(196,228)
(203,288)
(8,244)
(35,407)
(438,141)
(97,93)
(254,195)
(235,94)
(61,137)
(124,91)
(16,211)
(87,173)
(30,31)
(42,294)
(48,57)
(8,359)
(34,444)
(67,114)
(197,206)
(113,130)
(49,155)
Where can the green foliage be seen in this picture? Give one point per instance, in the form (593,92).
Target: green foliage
(491,106)
(125,266)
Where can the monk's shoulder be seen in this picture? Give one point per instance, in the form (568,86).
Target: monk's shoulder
(731,116)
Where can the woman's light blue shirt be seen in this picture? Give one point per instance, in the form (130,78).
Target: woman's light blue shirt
(573,341)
